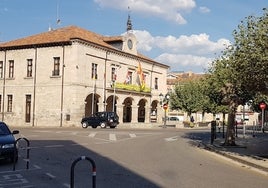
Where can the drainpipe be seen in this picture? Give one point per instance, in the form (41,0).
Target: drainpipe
(34,92)
(104,81)
(4,86)
(62,83)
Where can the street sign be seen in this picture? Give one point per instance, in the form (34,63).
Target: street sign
(165,106)
(262,105)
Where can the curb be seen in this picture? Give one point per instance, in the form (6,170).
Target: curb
(211,148)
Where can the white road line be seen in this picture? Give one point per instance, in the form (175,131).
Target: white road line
(133,135)
(112,137)
(37,167)
(92,135)
(50,175)
(174,138)
(66,185)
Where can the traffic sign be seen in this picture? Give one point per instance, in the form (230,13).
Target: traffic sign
(262,105)
(165,106)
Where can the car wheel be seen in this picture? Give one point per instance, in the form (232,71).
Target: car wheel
(112,127)
(103,125)
(84,125)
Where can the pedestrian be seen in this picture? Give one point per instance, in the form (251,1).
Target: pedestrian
(192,119)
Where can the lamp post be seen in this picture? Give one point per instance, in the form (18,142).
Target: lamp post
(161,96)
(262,107)
(165,100)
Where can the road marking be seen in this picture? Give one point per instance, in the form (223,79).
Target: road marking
(50,175)
(112,137)
(174,138)
(133,135)
(91,135)
(12,180)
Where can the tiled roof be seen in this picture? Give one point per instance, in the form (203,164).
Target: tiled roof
(64,34)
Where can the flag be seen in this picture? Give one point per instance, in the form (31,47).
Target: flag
(127,80)
(140,77)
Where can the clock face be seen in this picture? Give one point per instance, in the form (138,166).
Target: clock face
(129,44)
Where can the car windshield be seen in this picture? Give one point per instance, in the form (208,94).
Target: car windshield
(3,129)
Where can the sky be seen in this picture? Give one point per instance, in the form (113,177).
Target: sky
(187,35)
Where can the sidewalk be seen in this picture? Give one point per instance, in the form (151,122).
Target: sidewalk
(250,151)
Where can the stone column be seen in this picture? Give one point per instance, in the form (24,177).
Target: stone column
(134,115)
(160,114)
(119,111)
(147,114)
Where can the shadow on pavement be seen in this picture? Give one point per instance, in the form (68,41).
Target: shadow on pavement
(50,166)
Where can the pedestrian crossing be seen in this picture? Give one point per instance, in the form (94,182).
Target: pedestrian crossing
(107,136)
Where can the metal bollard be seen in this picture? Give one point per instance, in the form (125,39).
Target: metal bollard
(28,152)
(93,170)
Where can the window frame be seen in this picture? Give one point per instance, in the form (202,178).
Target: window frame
(29,68)
(9,103)
(56,67)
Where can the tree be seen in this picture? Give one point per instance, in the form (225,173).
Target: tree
(186,97)
(241,72)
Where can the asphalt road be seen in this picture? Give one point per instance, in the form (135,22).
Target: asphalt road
(126,158)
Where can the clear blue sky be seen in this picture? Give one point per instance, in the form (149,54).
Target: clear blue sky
(184,34)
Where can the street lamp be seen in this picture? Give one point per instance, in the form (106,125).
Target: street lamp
(165,107)
(161,96)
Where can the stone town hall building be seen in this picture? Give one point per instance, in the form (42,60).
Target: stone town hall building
(57,77)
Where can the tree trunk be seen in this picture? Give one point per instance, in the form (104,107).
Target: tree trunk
(230,133)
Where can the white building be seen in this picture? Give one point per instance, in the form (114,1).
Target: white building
(57,77)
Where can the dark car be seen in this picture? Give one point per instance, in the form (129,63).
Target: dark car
(8,149)
(102,119)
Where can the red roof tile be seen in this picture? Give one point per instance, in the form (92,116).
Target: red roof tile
(64,34)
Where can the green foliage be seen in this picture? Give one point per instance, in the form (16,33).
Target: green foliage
(240,75)
(132,87)
(188,97)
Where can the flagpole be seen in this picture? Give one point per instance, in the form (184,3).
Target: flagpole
(94,90)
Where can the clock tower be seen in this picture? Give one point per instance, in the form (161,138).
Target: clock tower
(129,39)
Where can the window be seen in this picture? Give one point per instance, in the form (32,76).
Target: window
(155,83)
(9,103)
(113,75)
(29,67)
(1,69)
(94,71)
(28,109)
(11,69)
(56,70)
(128,79)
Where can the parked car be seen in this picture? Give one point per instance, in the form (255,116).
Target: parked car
(8,149)
(102,119)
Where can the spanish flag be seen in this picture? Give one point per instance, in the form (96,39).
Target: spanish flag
(140,77)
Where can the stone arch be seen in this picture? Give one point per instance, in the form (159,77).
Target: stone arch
(127,109)
(111,103)
(153,113)
(91,104)
(142,110)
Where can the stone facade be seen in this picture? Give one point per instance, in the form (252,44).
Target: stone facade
(57,77)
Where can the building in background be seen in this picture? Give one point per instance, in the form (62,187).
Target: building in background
(57,77)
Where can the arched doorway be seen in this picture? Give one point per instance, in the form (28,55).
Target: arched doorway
(141,110)
(91,104)
(153,113)
(127,111)
(111,103)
